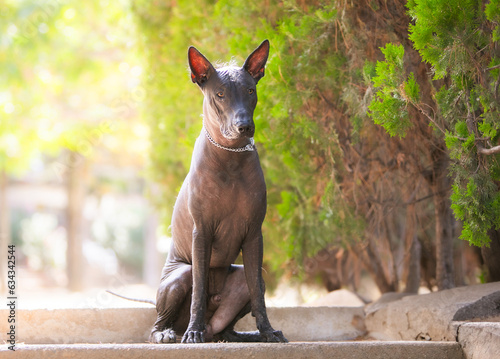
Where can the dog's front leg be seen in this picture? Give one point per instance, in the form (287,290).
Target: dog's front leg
(252,259)
(202,247)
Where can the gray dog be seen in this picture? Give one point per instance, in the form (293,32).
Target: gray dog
(218,213)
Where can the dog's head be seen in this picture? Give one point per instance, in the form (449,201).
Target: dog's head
(230,92)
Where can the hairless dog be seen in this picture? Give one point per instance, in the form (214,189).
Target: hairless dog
(218,213)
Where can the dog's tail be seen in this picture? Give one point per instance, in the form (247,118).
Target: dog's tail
(148,301)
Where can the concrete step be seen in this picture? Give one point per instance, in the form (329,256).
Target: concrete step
(345,350)
(133,325)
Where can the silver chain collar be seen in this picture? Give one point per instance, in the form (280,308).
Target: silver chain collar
(249,147)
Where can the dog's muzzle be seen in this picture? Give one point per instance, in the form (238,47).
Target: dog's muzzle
(246,129)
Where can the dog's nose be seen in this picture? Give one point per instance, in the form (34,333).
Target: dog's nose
(245,128)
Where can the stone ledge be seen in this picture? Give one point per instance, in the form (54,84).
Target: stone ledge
(133,325)
(480,339)
(352,350)
(428,316)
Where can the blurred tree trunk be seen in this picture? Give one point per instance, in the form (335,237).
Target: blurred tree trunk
(413,277)
(444,226)
(76,193)
(374,264)
(412,260)
(4,230)
(491,256)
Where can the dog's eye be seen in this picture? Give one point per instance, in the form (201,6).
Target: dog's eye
(220,94)
(251,91)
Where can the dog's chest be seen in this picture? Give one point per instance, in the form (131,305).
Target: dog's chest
(233,206)
(238,202)
(230,189)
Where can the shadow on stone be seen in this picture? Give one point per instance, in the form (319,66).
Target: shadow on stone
(488,307)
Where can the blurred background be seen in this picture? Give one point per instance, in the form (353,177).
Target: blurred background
(98,118)
(74,148)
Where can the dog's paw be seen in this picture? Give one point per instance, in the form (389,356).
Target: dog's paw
(274,336)
(166,336)
(193,336)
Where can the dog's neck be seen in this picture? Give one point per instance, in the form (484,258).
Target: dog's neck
(249,147)
(213,135)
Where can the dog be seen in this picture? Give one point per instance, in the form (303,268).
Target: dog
(218,214)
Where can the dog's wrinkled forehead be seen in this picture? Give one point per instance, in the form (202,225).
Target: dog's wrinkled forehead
(233,75)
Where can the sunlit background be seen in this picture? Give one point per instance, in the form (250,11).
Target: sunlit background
(74,150)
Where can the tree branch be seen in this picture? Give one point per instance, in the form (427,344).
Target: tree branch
(429,117)
(487,151)
(492,67)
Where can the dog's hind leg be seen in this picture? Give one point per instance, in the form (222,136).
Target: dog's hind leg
(235,304)
(233,297)
(230,335)
(173,292)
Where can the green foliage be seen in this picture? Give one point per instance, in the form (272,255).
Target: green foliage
(488,130)
(457,38)
(390,71)
(411,89)
(443,32)
(478,207)
(389,105)
(492,11)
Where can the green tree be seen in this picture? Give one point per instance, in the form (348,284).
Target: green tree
(460,42)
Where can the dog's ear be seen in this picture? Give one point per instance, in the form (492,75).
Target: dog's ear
(201,68)
(256,61)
